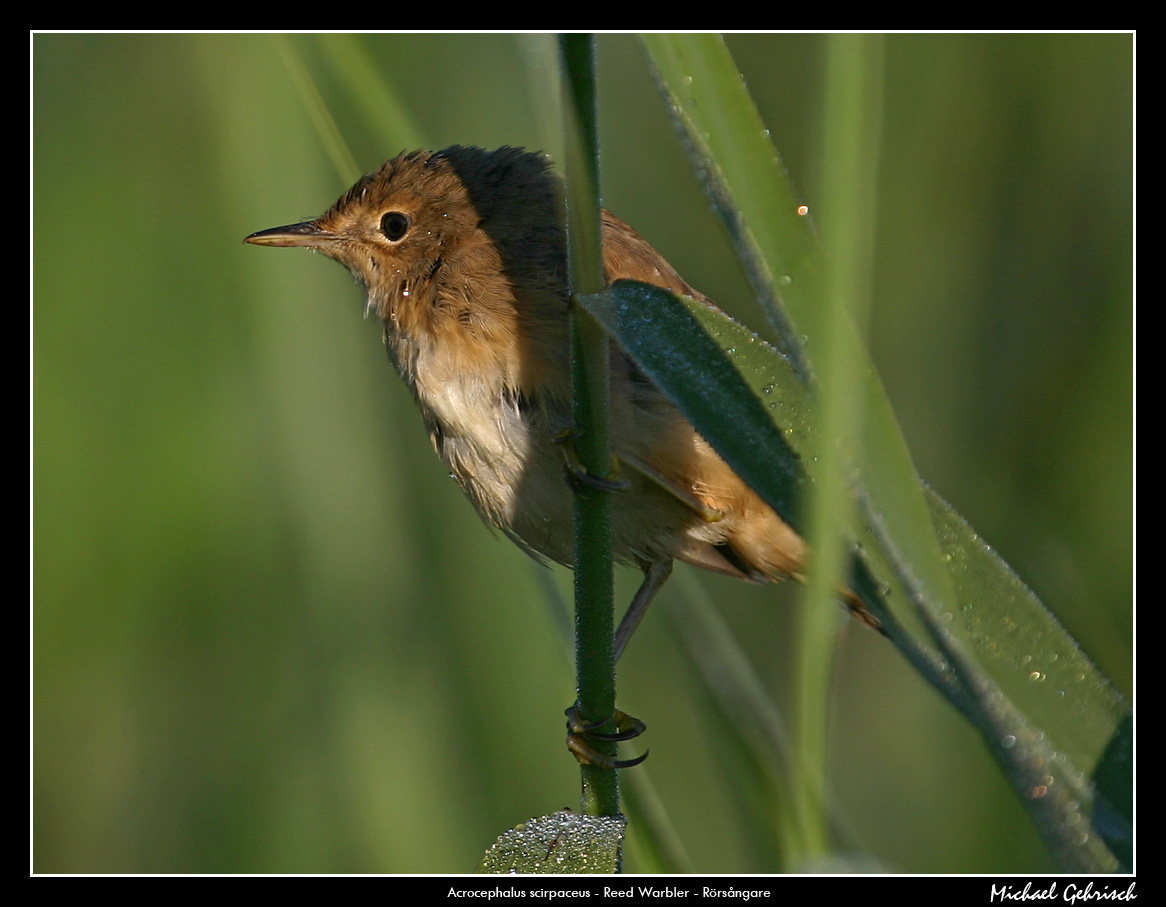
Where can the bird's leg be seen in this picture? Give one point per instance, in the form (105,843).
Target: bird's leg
(655,574)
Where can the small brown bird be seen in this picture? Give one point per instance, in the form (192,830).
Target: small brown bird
(464,260)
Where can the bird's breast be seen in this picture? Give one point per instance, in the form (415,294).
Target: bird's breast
(498,444)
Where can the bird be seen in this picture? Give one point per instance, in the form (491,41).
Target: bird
(462,254)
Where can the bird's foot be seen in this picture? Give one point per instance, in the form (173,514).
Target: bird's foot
(578,475)
(582,735)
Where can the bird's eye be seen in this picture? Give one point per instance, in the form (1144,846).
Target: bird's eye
(395,225)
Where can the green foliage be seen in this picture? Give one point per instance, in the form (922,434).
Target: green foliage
(564,842)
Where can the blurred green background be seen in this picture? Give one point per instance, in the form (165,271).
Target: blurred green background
(269,635)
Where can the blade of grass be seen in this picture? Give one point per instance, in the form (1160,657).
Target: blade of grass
(334,143)
(730,149)
(850,152)
(379,102)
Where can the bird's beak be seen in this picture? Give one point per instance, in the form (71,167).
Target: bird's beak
(306,234)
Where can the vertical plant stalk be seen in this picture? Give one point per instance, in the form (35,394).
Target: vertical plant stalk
(849,154)
(594,609)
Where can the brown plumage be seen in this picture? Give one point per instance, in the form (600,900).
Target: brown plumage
(464,260)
